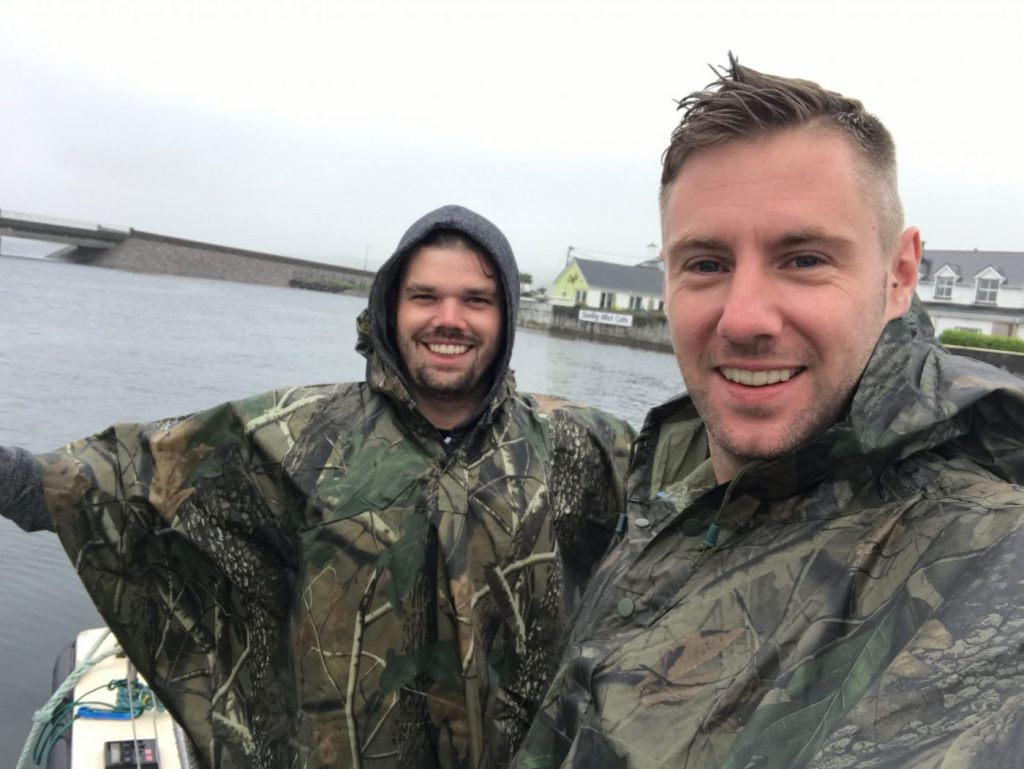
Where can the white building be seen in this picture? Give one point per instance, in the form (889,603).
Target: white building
(974,290)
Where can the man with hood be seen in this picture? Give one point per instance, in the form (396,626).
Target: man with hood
(824,556)
(375,574)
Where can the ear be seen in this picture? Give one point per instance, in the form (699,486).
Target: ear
(901,279)
(664,281)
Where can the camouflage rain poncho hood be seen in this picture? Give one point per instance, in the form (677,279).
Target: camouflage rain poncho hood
(379,319)
(863,605)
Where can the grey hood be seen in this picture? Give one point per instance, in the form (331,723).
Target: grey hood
(381,307)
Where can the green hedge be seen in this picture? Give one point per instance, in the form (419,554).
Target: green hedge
(983,341)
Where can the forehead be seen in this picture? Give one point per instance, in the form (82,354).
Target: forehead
(797,179)
(437,265)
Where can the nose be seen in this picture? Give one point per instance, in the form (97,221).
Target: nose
(449,313)
(752,306)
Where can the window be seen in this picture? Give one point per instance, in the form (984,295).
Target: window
(987,290)
(636,302)
(943,287)
(607,300)
(581,296)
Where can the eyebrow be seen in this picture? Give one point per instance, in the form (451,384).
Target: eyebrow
(484,292)
(811,236)
(428,288)
(696,243)
(418,288)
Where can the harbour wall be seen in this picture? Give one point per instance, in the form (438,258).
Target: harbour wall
(651,332)
(158,254)
(648,331)
(161,255)
(1012,362)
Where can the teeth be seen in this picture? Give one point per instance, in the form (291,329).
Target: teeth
(758,378)
(448,349)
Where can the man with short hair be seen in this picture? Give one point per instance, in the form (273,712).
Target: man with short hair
(823,562)
(375,574)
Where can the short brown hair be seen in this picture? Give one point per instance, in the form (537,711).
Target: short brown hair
(743,103)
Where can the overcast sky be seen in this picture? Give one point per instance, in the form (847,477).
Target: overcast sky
(323,129)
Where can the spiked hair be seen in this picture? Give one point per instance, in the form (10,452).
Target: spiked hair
(743,103)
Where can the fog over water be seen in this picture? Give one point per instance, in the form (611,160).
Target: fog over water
(83,347)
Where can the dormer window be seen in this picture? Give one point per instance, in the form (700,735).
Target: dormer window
(988,289)
(944,287)
(945,279)
(986,285)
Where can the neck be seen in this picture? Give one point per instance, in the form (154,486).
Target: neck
(444,415)
(725,466)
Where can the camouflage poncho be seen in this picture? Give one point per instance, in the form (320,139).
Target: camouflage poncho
(307,580)
(863,607)
(311,578)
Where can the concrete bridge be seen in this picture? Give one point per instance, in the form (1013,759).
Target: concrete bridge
(135,251)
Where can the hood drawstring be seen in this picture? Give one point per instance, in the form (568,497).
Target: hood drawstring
(710,543)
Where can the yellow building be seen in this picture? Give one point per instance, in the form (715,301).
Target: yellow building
(608,286)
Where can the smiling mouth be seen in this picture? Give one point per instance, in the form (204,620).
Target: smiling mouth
(758,378)
(447,348)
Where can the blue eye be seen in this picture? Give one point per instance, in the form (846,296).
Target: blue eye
(706,265)
(806,260)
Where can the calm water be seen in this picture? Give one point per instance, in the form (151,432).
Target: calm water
(83,347)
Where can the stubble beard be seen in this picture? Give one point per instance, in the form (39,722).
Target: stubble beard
(809,424)
(468,384)
(826,406)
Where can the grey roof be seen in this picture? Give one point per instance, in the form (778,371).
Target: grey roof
(967,264)
(624,278)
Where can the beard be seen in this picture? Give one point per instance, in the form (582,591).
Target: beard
(807,426)
(466,384)
(442,386)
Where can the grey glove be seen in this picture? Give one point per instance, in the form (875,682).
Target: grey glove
(21,490)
